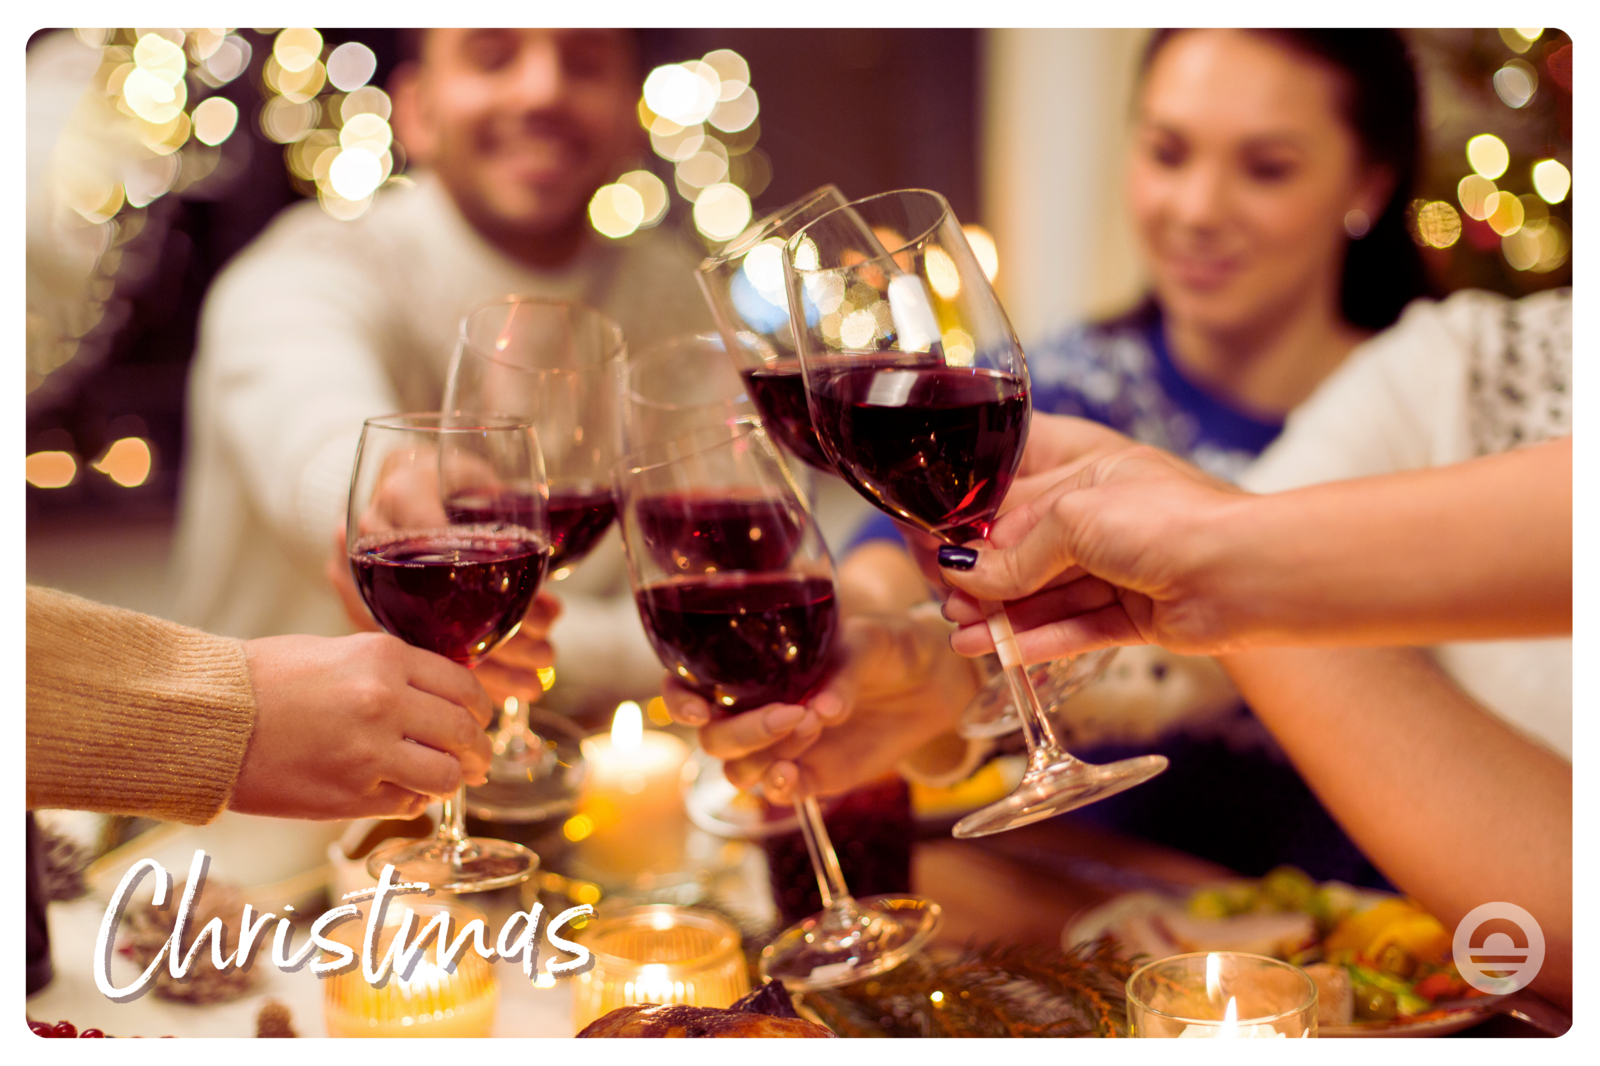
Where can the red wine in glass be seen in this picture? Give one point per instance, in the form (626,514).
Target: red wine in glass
(743,641)
(693,533)
(779,393)
(933,445)
(579,517)
(458,592)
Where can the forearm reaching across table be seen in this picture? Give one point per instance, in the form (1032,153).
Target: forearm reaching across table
(1134,546)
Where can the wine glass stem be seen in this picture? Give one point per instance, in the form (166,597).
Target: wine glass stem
(453,817)
(1043,747)
(830,880)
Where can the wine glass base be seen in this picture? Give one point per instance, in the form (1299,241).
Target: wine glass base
(991,713)
(475,864)
(1057,789)
(537,776)
(850,942)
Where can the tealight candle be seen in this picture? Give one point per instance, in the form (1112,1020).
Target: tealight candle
(631,819)
(1221,995)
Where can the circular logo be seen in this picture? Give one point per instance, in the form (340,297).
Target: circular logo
(1494,960)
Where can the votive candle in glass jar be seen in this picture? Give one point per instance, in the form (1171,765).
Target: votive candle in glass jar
(430,1001)
(658,954)
(1221,995)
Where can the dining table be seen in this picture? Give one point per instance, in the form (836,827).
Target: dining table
(1019,887)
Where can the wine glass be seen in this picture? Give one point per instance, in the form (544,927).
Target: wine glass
(453,580)
(556,363)
(743,284)
(735,588)
(680,385)
(919,393)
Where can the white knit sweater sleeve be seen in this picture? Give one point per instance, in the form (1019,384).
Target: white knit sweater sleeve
(288,368)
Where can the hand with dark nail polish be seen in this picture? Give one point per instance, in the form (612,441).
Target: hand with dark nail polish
(952,557)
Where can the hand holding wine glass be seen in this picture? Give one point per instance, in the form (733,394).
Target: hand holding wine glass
(454,584)
(559,364)
(735,587)
(919,393)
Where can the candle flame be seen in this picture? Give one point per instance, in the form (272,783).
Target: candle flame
(1214,977)
(1229,1029)
(627,727)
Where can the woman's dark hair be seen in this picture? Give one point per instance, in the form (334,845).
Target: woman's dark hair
(1381,105)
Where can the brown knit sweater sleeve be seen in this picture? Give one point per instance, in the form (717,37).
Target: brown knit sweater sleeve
(129,714)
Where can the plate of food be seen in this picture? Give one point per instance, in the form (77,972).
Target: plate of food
(1380,961)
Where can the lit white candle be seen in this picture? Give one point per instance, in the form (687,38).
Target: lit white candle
(1229,1028)
(632,820)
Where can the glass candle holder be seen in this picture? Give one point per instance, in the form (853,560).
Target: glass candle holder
(658,954)
(430,1002)
(1222,995)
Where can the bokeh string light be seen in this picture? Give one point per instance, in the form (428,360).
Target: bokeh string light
(702,118)
(1508,200)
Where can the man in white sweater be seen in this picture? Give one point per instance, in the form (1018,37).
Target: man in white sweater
(320,324)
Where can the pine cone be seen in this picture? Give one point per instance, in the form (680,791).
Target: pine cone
(147,928)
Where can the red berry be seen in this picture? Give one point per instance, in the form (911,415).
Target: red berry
(66,1030)
(89,1033)
(44,1029)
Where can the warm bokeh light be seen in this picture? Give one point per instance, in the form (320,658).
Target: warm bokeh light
(675,142)
(1488,155)
(686,96)
(1515,83)
(366,131)
(1540,248)
(351,65)
(160,57)
(1505,213)
(127,462)
(214,120)
(152,98)
(367,100)
(704,168)
(983,248)
(285,121)
(230,60)
(652,193)
(1473,192)
(578,827)
(1551,180)
(51,470)
(355,173)
(340,208)
(731,68)
(1515,40)
(958,348)
(296,49)
(722,212)
(731,116)
(942,274)
(616,210)
(1438,224)
(1531,35)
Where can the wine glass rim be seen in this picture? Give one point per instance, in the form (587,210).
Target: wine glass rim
(760,231)
(1265,1019)
(614,349)
(944,213)
(440,422)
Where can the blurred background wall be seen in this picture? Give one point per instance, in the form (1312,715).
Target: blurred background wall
(135,202)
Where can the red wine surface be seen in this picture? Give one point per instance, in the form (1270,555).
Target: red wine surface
(457,592)
(742,642)
(697,533)
(579,516)
(779,393)
(936,447)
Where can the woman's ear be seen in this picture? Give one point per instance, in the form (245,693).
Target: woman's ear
(411,118)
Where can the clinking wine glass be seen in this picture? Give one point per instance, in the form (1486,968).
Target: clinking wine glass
(452,581)
(735,588)
(743,284)
(919,392)
(678,386)
(558,364)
